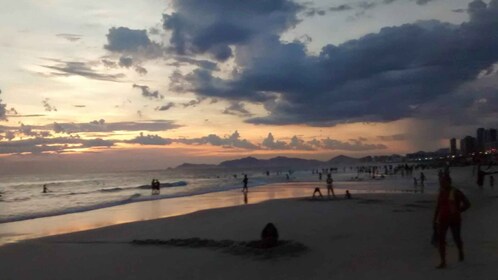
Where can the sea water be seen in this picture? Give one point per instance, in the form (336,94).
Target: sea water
(22,197)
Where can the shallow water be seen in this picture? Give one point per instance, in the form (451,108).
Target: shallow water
(180,205)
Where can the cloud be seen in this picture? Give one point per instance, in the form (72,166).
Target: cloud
(69,37)
(270,143)
(125,61)
(232,141)
(213,27)
(201,63)
(380,77)
(193,102)
(43,145)
(394,137)
(48,107)
(149,140)
(132,42)
(238,109)
(297,143)
(166,107)
(83,69)
(147,93)
(340,8)
(102,126)
(140,70)
(354,145)
(123,39)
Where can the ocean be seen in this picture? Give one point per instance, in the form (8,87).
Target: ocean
(22,197)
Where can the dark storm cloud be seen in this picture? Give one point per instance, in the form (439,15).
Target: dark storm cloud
(147,93)
(212,27)
(382,76)
(78,68)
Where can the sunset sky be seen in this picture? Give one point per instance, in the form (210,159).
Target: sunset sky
(119,85)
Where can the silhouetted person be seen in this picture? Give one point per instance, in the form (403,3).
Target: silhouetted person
(347,195)
(491,181)
(320,176)
(451,202)
(155,186)
(269,236)
(45,189)
(317,190)
(481,174)
(330,187)
(245,181)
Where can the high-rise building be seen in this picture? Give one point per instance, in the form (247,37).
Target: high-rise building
(492,135)
(453,148)
(480,139)
(491,142)
(468,145)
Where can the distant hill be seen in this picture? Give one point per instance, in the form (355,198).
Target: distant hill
(343,160)
(194,166)
(286,162)
(251,162)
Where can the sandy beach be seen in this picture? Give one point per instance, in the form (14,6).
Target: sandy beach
(373,236)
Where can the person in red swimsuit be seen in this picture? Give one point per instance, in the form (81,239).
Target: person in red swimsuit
(450,204)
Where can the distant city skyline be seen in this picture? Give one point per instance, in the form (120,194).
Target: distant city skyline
(150,84)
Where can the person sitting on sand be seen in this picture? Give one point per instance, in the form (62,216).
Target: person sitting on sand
(451,202)
(330,187)
(245,181)
(317,190)
(348,194)
(269,236)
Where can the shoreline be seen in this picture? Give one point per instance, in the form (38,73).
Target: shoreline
(137,211)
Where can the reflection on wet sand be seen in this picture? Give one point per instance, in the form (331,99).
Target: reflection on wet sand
(147,210)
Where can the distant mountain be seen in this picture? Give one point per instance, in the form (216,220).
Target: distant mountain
(343,160)
(194,166)
(251,162)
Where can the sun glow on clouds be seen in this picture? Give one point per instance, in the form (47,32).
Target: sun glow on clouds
(89,80)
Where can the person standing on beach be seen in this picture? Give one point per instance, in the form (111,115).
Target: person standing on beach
(245,181)
(330,187)
(450,204)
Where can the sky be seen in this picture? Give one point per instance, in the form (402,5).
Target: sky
(149,84)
